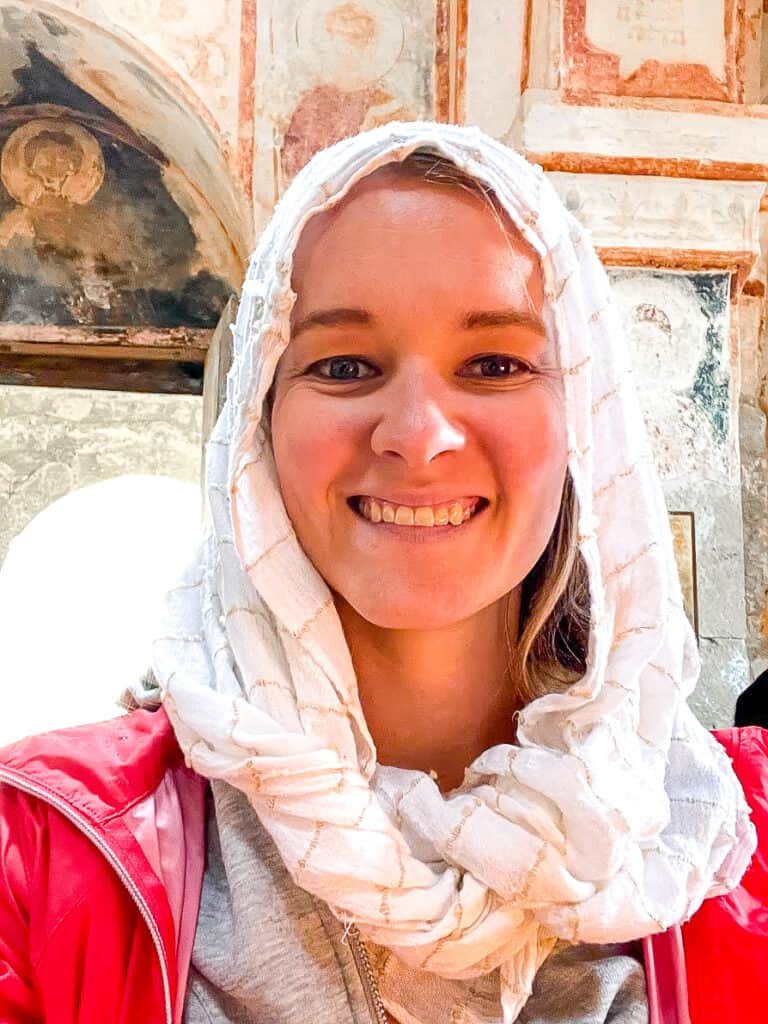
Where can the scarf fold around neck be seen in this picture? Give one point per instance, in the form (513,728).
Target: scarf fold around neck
(615,814)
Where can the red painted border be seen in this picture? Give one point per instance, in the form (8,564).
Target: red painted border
(665,167)
(442,73)
(462,29)
(246,97)
(525,61)
(450,69)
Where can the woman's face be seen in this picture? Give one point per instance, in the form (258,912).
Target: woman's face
(418,383)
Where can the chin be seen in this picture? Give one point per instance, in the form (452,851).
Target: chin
(412,612)
(396,618)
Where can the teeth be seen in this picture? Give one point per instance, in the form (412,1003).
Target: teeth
(456,513)
(402,515)
(423,517)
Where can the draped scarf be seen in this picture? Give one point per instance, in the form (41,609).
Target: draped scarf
(614,814)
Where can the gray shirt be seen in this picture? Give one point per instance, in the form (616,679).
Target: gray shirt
(267,952)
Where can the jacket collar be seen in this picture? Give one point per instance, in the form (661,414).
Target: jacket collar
(99,769)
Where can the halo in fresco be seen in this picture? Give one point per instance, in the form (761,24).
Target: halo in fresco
(360,40)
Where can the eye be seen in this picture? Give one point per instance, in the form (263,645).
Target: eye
(340,368)
(497,367)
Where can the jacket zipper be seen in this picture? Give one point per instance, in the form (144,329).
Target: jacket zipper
(367,977)
(88,830)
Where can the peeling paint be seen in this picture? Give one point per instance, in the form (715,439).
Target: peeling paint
(711,385)
(53,25)
(326,114)
(678,326)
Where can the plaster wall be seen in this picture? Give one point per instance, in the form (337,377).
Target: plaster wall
(496,64)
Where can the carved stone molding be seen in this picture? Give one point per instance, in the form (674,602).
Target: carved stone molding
(682,223)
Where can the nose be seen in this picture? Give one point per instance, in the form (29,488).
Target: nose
(414,422)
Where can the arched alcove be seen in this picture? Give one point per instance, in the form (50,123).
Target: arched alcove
(143,93)
(123,231)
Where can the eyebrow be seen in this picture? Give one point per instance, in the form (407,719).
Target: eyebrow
(504,318)
(342,316)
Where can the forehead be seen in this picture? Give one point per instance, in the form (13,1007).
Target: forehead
(418,238)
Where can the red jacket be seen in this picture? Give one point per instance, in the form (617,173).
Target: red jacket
(101,861)
(726,942)
(88,933)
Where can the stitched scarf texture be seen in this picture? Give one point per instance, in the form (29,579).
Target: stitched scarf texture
(615,814)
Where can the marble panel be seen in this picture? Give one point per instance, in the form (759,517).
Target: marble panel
(641,212)
(724,674)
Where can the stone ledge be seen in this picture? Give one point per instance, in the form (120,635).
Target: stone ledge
(695,141)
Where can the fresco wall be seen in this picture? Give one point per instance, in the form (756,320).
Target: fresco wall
(647,116)
(88,232)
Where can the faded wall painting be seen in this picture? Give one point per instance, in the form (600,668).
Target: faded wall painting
(88,232)
(327,69)
(678,328)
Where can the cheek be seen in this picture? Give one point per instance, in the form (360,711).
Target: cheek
(312,448)
(532,447)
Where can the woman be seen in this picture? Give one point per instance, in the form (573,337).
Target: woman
(432,655)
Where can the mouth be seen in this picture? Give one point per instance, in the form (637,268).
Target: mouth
(446,515)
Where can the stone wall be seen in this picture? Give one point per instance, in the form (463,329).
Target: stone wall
(54,441)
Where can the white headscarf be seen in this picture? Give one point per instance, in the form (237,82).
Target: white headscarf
(615,814)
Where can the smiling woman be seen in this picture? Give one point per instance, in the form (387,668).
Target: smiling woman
(434,487)
(431,656)
(421,270)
